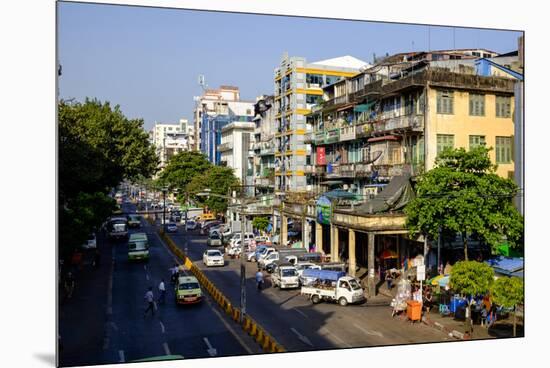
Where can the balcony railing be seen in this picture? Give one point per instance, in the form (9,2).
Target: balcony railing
(308,137)
(347,133)
(225,146)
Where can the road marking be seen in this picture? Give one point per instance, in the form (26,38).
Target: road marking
(147,276)
(335,337)
(162,327)
(300,312)
(114,326)
(302,337)
(145,267)
(166,349)
(211,351)
(121,356)
(369,332)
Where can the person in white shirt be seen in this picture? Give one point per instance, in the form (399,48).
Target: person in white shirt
(162,292)
(259,279)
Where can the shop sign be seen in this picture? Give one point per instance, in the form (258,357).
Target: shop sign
(421,273)
(321,156)
(324,210)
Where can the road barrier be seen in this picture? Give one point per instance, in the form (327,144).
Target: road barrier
(266,341)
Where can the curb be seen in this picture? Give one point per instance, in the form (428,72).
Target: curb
(453,333)
(251,327)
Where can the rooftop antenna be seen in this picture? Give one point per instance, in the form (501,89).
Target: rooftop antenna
(202,82)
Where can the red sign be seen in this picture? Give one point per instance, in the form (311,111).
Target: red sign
(321,158)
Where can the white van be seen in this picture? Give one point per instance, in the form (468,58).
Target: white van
(237,236)
(285,276)
(138,247)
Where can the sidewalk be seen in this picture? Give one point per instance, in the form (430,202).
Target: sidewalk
(456,328)
(85,311)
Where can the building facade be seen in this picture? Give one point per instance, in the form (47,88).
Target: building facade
(263,158)
(297,87)
(236,138)
(170,139)
(215,109)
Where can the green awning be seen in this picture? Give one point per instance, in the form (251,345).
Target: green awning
(363,107)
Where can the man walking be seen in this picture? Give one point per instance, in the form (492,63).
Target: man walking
(162,292)
(150,299)
(259,279)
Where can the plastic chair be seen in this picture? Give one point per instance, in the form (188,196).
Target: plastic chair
(444,309)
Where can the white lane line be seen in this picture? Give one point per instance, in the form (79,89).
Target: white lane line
(162,327)
(211,351)
(301,337)
(121,356)
(166,349)
(335,337)
(300,312)
(369,332)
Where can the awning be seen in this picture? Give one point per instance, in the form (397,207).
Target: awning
(384,138)
(345,107)
(363,107)
(332,182)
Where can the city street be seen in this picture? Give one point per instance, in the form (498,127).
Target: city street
(298,324)
(106,324)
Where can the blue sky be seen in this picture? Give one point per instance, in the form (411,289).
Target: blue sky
(147,60)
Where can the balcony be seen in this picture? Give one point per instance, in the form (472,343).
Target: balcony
(333,136)
(308,137)
(347,133)
(228,146)
(264,181)
(320,137)
(340,100)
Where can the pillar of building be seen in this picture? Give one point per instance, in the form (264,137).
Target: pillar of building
(351,252)
(334,243)
(274,223)
(318,237)
(370,249)
(284,230)
(305,233)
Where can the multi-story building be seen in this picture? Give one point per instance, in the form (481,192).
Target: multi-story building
(215,109)
(372,127)
(236,138)
(170,139)
(264,143)
(297,88)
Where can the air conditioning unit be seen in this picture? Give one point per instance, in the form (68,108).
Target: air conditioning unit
(346,187)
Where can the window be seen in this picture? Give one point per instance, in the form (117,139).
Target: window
(410,104)
(312,99)
(445,102)
(477,105)
(503,150)
(445,141)
(248,111)
(503,106)
(476,141)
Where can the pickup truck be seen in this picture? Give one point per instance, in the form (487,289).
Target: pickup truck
(277,254)
(285,276)
(332,286)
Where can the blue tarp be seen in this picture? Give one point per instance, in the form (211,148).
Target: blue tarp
(507,266)
(324,274)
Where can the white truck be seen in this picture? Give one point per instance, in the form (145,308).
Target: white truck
(285,276)
(332,286)
(282,254)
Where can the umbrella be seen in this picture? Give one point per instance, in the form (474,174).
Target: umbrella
(387,254)
(434,281)
(444,281)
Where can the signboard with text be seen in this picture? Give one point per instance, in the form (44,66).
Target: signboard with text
(321,157)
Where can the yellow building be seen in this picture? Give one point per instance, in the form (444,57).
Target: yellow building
(470,115)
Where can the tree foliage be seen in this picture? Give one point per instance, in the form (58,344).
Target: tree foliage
(98,148)
(462,194)
(219,180)
(507,291)
(261,223)
(182,168)
(471,278)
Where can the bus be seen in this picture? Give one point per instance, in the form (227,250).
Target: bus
(138,247)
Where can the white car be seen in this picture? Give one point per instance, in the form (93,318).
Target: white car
(301,266)
(262,239)
(213,257)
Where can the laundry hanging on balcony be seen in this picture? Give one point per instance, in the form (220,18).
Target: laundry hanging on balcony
(363,107)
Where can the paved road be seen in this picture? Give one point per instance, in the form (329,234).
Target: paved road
(298,324)
(108,324)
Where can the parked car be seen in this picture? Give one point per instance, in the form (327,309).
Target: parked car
(206,226)
(188,290)
(171,227)
(190,225)
(285,276)
(212,257)
(237,236)
(90,243)
(262,239)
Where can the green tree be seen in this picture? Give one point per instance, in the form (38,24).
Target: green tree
(182,168)
(261,223)
(219,180)
(98,148)
(508,292)
(471,278)
(462,194)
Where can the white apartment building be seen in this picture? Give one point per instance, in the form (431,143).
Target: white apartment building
(170,139)
(235,147)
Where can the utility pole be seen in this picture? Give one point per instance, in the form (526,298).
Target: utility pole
(164,190)
(243,266)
